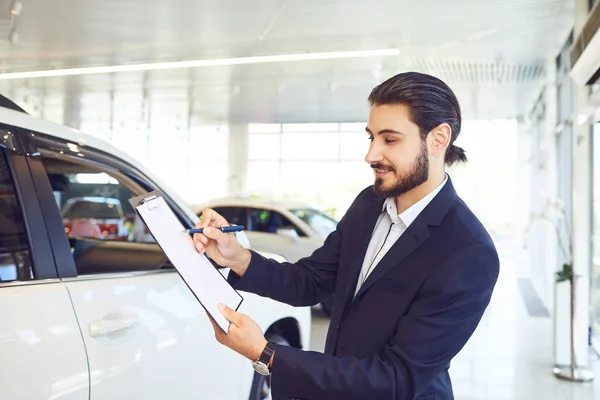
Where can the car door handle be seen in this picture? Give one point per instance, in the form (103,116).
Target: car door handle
(113,326)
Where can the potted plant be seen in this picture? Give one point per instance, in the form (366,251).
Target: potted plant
(554,213)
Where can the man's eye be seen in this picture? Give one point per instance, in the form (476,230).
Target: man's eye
(388,141)
(371,138)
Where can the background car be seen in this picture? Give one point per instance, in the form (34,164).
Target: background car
(98,217)
(293,230)
(94,317)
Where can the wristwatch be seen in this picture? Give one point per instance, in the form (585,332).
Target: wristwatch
(262,364)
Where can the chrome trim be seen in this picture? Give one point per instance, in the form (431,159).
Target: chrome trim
(117,275)
(32,282)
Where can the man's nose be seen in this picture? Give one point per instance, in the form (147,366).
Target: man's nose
(373,155)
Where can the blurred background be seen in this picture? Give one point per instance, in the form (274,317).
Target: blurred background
(250,106)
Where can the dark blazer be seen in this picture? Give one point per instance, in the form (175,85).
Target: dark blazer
(413,314)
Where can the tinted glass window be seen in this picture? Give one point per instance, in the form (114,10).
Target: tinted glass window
(233,215)
(15,262)
(269,221)
(94,204)
(322,224)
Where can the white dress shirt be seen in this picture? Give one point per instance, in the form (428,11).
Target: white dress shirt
(388,229)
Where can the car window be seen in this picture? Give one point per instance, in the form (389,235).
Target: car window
(269,221)
(321,223)
(94,204)
(234,215)
(105,233)
(15,261)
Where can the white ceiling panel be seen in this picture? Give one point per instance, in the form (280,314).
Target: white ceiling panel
(493,52)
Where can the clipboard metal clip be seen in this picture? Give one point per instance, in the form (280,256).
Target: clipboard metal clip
(151,200)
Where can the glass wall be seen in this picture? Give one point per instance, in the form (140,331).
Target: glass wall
(318,164)
(595,273)
(323,164)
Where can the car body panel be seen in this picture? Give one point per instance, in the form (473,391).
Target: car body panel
(43,354)
(147,332)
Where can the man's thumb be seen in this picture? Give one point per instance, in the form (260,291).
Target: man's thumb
(228,313)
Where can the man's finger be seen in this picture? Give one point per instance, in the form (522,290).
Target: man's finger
(230,315)
(205,221)
(212,218)
(215,234)
(200,238)
(209,216)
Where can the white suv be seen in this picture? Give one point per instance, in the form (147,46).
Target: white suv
(93,317)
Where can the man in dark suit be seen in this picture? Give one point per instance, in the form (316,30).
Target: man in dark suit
(411,267)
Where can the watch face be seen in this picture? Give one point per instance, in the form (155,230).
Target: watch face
(261,368)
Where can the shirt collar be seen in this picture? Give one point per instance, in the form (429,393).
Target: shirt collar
(410,214)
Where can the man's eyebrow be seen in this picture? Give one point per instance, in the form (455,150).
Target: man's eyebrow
(381,132)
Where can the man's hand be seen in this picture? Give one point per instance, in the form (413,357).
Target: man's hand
(245,336)
(223,248)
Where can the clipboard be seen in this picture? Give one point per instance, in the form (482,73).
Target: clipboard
(201,277)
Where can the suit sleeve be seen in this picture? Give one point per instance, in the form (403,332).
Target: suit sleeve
(305,283)
(437,326)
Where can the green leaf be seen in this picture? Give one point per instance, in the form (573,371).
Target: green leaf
(565,274)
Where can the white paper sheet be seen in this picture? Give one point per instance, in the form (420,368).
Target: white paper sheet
(203,279)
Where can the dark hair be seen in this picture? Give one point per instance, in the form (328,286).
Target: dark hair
(430,101)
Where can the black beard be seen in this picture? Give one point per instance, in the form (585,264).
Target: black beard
(418,174)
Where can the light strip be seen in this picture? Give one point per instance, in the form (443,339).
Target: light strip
(198,63)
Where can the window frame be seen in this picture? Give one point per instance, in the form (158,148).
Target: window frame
(65,266)
(41,255)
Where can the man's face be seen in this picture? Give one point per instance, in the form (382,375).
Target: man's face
(397,154)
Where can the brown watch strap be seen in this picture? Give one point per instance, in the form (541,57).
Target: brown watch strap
(267,353)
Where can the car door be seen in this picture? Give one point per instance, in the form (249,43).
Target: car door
(146,335)
(42,354)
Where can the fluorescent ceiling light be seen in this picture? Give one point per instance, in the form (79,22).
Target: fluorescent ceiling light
(199,63)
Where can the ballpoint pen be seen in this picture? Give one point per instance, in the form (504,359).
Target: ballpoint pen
(224,229)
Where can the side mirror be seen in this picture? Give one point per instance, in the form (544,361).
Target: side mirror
(288,232)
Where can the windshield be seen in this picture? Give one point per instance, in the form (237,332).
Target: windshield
(317,220)
(90,209)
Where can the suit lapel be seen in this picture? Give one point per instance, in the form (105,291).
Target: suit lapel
(361,242)
(416,234)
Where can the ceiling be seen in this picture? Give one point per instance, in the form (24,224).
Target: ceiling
(492,52)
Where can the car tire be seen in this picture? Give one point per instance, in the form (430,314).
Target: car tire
(261,385)
(327,306)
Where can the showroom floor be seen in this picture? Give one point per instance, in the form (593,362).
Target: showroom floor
(510,355)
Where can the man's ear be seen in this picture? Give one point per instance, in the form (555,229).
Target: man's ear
(440,138)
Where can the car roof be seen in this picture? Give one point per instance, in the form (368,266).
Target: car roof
(20,119)
(253,202)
